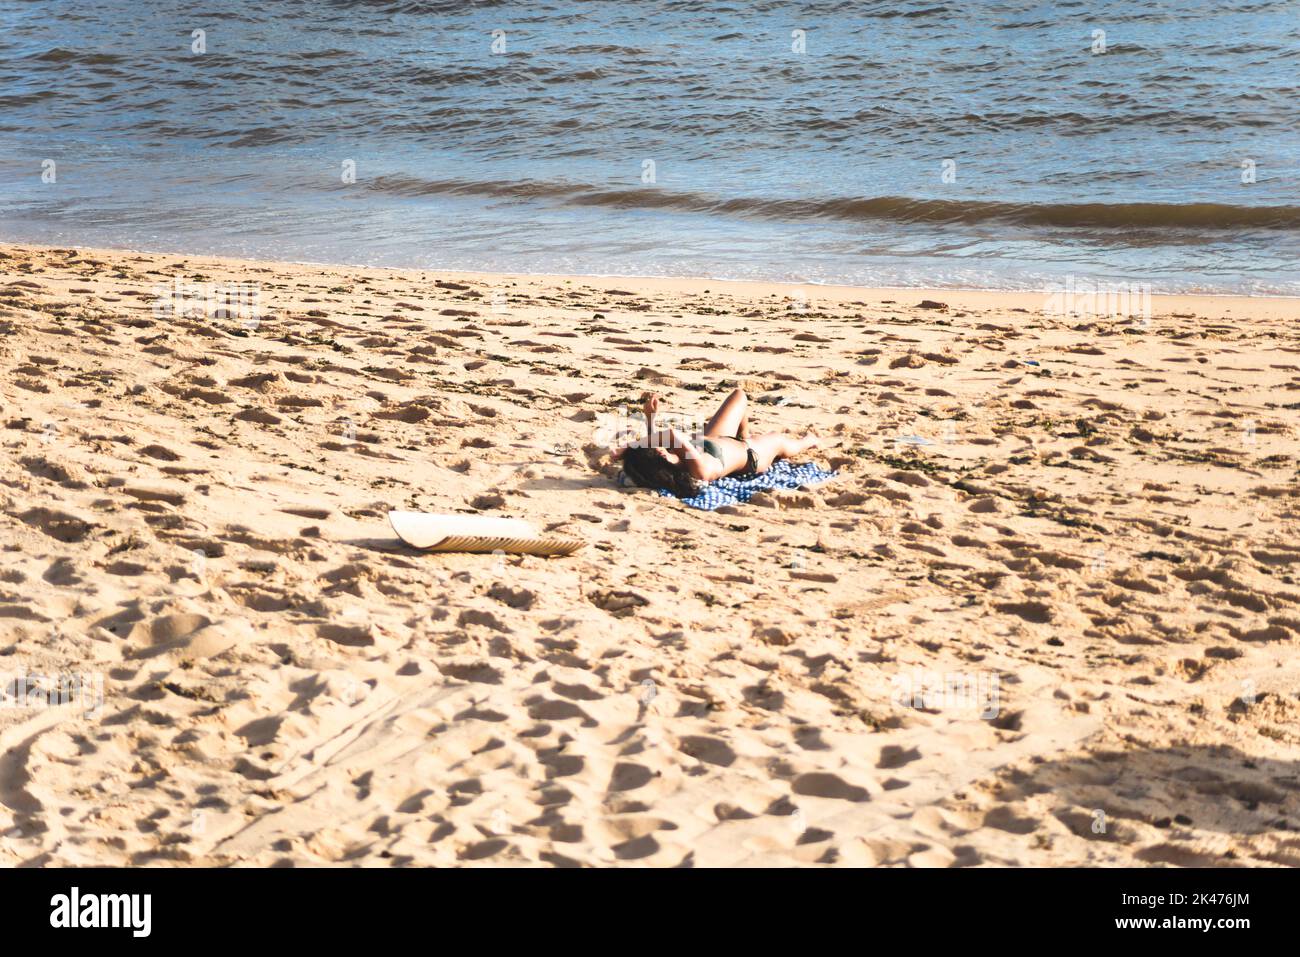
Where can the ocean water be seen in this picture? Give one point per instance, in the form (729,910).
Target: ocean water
(916,142)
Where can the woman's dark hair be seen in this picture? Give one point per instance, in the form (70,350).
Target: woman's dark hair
(647,468)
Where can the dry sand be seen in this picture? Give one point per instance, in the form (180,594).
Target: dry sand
(1102,545)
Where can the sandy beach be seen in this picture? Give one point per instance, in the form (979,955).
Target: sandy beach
(1046,613)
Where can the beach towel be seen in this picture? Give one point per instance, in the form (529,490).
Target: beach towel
(734,489)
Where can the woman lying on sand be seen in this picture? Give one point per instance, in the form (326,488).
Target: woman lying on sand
(672,460)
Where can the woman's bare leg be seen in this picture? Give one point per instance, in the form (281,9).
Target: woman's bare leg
(777,445)
(731,419)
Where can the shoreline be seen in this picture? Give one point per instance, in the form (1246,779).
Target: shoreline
(1019,298)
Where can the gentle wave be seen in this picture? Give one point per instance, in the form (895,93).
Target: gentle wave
(1181,216)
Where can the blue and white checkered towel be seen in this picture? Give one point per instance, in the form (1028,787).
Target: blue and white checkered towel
(733,490)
